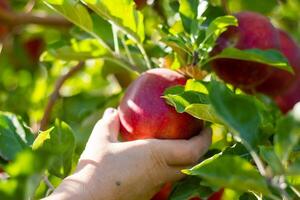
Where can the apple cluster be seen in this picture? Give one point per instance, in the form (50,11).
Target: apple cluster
(255,31)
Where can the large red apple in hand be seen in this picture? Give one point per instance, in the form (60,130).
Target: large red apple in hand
(254,31)
(145,114)
(280,80)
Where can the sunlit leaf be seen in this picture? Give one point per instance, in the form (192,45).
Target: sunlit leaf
(270,57)
(61,136)
(15,136)
(230,171)
(227,106)
(121,13)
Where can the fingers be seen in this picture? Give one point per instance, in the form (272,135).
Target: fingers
(174,174)
(185,152)
(107,128)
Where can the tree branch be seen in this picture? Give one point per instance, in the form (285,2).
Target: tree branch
(55,94)
(14,19)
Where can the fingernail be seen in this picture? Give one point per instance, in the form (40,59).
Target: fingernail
(108,112)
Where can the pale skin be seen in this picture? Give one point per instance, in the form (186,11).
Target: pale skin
(136,170)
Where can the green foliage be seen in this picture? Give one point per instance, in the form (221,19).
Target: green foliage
(62,137)
(15,136)
(271,57)
(216,171)
(255,150)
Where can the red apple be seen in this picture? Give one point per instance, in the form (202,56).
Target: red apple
(292,96)
(145,114)
(140,3)
(164,193)
(254,31)
(4,4)
(217,195)
(34,48)
(280,80)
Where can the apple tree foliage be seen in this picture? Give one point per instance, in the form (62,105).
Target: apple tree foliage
(94,48)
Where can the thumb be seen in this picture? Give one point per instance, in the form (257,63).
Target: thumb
(107,128)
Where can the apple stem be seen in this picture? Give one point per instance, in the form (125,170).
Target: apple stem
(55,94)
(127,50)
(29,6)
(49,185)
(256,159)
(195,58)
(225,6)
(297,192)
(116,40)
(146,58)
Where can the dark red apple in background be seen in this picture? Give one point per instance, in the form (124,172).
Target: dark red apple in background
(140,3)
(280,80)
(145,114)
(292,96)
(34,48)
(254,31)
(4,4)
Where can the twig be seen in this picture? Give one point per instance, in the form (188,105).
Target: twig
(14,19)
(116,40)
(225,6)
(49,184)
(29,6)
(55,94)
(146,58)
(127,50)
(297,192)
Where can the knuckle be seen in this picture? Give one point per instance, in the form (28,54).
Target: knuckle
(192,154)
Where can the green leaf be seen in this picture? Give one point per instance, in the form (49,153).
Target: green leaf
(62,137)
(270,57)
(26,164)
(188,10)
(76,13)
(230,172)
(264,7)
(121,13)
(294,168)
(80,50)
(25,175)
(268,155)
(188,188)
(227,106)
(219,25)
(191,100)
(15,136)
(286,137)
(237,150)
(73,11)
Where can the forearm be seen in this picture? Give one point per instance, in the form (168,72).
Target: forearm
(81,186)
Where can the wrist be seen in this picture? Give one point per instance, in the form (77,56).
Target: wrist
(72,187)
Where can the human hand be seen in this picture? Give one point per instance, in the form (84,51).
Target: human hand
(113,170)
